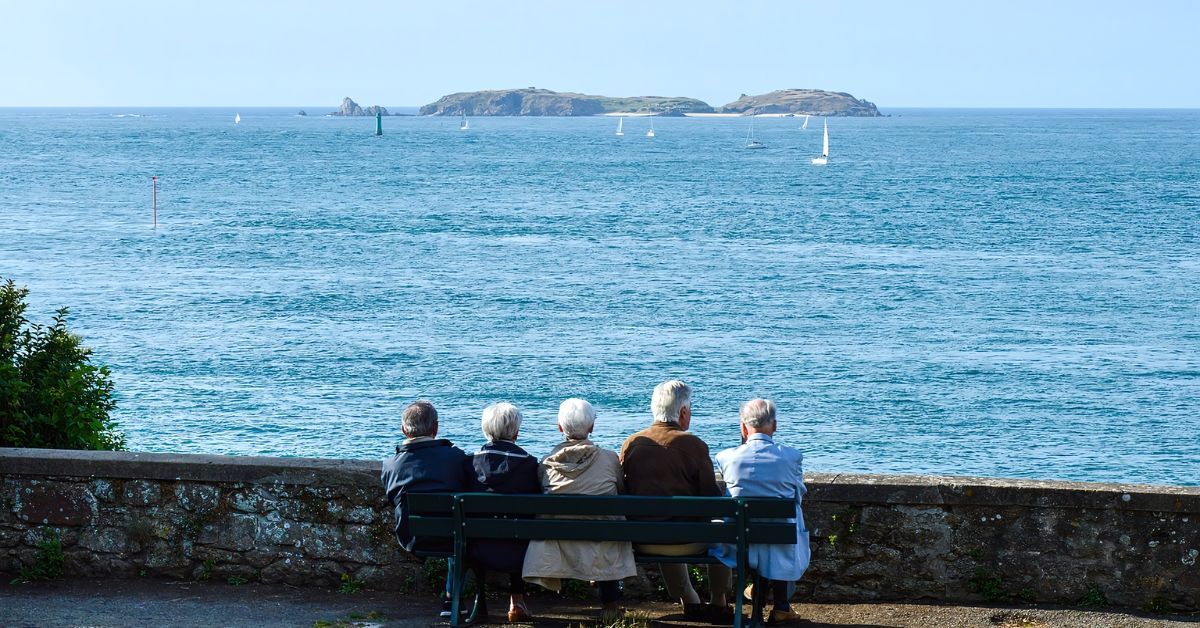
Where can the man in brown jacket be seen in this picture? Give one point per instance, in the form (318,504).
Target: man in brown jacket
(665,459)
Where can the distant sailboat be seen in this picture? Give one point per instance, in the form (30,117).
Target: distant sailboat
(804,126)
(463,125)
(650,133)
(237,118)
(824,158)
(621,125)
(751,141)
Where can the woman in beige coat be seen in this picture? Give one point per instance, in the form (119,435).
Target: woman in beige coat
(578,467)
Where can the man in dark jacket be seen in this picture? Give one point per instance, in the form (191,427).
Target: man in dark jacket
(422,464)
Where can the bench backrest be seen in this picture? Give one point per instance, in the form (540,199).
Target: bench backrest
(706,519)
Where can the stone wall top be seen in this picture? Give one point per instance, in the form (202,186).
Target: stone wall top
(824,487)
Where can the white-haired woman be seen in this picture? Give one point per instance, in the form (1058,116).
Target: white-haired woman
(500,466)
(578,467)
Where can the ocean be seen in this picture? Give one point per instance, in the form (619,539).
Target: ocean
(1010,293)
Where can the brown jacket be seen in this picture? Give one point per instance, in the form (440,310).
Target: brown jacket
(663,459)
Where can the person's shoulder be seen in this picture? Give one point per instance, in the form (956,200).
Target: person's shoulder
(727,454)
(689,439)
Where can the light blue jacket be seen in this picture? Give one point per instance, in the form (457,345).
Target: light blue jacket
(760,468)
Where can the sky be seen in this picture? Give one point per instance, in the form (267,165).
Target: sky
(916,53)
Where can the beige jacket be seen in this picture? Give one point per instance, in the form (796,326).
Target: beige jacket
(578,467)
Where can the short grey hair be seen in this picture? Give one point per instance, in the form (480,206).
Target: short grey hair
(420,418)
(758,413)
(670,398)
(501,421)
(576,418)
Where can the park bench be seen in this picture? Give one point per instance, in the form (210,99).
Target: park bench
(463,517)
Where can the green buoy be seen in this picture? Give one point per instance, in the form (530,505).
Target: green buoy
(378,122)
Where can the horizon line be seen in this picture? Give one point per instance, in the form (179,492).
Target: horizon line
(880,107)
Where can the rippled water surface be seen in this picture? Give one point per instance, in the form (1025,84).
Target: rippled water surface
(1000,293)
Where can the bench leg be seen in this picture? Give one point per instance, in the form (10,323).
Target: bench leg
(456,589)
(740,596)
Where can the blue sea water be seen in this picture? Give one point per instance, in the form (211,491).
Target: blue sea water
(997,293)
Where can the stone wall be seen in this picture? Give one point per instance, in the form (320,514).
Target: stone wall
(324,522)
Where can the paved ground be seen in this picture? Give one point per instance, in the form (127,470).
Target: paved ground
(159,603)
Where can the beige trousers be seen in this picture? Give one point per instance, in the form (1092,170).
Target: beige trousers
(677,580)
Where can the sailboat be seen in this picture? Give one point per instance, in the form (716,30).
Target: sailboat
(621,125)
(237,118)
(650,133)
(751,141)
(463,125)
(804,126)
(824,158)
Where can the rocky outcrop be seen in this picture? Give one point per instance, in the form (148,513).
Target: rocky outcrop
(351,108)
(532,101)
(814,102)
(302,113)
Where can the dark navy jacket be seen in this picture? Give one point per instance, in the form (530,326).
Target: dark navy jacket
(502,467)
(431,466)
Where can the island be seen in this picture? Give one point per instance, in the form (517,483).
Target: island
(814,102)
(531,101)
(351,108)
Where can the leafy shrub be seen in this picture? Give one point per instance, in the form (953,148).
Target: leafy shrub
(51,395)
(49,564)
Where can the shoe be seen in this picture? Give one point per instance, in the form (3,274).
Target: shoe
(695,612)
(519,615)
(783,617)
(446,608)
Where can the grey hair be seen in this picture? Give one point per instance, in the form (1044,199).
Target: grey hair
(758,413)
(576,418)
(501,421)
(420,418)
(670,398)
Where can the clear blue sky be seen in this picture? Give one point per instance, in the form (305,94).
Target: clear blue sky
(953,53)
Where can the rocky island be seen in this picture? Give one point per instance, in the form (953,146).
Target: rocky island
(814,102)
(532,101)
(351,108)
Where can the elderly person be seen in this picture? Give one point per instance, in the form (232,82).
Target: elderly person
(422,464)
(664,459)
(762,468)
(500,466)
(577,466)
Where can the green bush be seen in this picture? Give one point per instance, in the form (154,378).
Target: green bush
(51,395)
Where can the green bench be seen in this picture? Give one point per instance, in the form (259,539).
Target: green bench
(463,517)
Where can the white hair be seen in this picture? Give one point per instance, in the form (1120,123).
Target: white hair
(670,398)
(501,421)
(576,418)
(758,413)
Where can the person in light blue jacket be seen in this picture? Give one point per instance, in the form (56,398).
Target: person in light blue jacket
(762,468)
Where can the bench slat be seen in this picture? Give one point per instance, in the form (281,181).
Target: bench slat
(628,505)
(593,530)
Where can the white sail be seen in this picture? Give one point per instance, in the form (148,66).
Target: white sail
(621,125)
(237,118)
(805,125)
(751,140)
(824,157)
(650,133)
(464,125)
